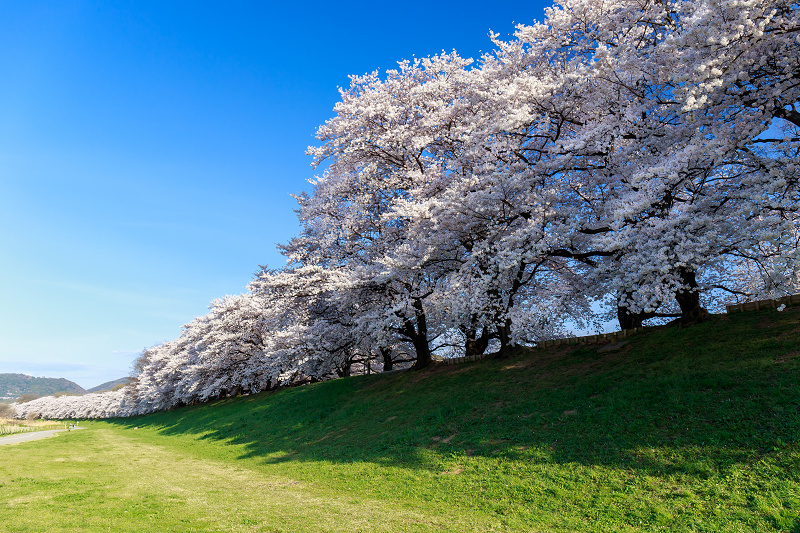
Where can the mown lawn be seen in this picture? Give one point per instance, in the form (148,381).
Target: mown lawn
(694,429)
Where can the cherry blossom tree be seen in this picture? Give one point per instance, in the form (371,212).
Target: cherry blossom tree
(665,157)
(640,152)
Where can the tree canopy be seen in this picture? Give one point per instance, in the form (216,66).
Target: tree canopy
(643,154)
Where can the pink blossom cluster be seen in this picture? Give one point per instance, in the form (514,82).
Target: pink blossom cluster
(639,153)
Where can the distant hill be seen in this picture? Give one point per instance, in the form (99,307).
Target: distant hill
(108,385)
(13,386)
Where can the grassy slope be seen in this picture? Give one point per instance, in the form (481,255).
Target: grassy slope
(680,430)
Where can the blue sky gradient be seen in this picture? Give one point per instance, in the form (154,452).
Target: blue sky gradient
(148,151)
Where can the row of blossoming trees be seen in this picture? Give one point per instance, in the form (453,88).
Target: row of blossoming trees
(643,153)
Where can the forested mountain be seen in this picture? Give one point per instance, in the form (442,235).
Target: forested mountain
(108,385)
(13,386)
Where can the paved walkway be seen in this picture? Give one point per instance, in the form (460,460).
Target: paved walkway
(33,435)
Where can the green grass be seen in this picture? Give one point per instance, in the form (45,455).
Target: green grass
(12,427)
(694,429)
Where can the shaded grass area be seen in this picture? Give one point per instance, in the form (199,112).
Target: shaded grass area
(694,429)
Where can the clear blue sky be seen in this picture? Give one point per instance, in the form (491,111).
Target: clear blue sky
(148,151)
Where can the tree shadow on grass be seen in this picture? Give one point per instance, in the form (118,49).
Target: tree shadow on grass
(699,425)
(669,403)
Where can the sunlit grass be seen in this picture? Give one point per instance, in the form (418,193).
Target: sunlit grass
(12,426)
(693,429)
(29,423)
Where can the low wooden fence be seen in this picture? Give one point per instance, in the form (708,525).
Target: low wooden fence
(616,336)
(764,304)
(589,339)
(586,339)
(13,429)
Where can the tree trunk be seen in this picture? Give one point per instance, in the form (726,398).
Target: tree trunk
(420,338)
(474,344)
(504,334)
(416,331)
(628,320)
(688,299)
(343,371)
(386,354)
(504,330)
(423,353)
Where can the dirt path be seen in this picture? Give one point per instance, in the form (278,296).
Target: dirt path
(33,435)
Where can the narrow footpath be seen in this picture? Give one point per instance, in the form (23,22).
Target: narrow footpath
(33,435)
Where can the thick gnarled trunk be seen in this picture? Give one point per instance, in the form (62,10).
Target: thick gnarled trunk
(386,355)
(688,299)
(504,335)
(475,344)
(628,320)
(417,332)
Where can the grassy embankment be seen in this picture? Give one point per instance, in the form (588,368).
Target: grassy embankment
(680,430)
